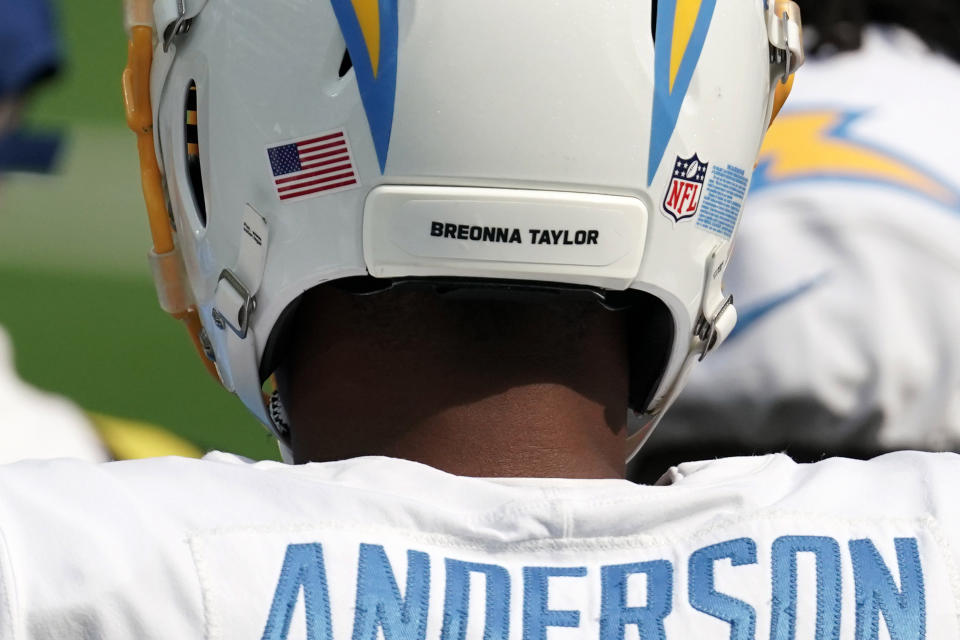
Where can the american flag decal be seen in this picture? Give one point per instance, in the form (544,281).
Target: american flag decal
(312,166)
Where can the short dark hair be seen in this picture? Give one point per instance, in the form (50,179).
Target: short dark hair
(838,24)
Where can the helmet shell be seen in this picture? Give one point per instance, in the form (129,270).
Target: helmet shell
(637,120)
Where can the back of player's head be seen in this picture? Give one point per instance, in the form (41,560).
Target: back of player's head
(599,150)
(837,25)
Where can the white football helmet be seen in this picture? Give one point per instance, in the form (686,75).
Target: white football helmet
(593,146)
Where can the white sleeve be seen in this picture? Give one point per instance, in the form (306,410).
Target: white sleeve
(35,424)
(88,550)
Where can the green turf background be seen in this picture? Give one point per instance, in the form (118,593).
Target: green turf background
(75,290)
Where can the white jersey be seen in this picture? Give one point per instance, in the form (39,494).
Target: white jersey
(846,271)
(382,548)
(38,424)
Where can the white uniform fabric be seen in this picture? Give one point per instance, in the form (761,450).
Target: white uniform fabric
(38,424)
(381,548)
(846,271)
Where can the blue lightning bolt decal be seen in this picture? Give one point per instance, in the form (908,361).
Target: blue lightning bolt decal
(370,29)
(681,31)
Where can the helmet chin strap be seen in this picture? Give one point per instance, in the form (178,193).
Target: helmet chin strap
(785,32)
(235,300)
(173,290)
(234,303)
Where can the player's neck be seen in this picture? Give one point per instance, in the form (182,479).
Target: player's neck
(536,430)
(538,407)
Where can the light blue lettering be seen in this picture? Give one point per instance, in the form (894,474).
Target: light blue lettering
(379,604)
(704,597)
(536,616)
(302,566)
(903,610)
(783,622)
(615,615)
(456,605)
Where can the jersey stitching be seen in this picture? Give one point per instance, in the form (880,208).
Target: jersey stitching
(947,551)
(209,625)
(637,493)
(599,543)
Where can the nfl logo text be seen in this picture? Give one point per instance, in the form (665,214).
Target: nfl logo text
(682,199)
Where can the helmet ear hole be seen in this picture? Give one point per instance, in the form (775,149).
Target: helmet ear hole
(653,18)
(345,64)
(192,151)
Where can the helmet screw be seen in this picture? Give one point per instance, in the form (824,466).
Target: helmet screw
(207,346)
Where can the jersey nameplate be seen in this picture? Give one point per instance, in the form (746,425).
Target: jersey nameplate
(335,585)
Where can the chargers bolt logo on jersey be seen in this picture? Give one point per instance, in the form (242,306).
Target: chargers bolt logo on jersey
(682,199)
(823,144)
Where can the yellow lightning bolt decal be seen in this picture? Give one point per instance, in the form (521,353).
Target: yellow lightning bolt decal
(368,15)
(683,23)
(818,144)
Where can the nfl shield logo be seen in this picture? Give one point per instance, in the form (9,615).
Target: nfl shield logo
(685,188)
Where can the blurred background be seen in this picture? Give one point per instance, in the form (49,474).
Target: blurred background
(77,297)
